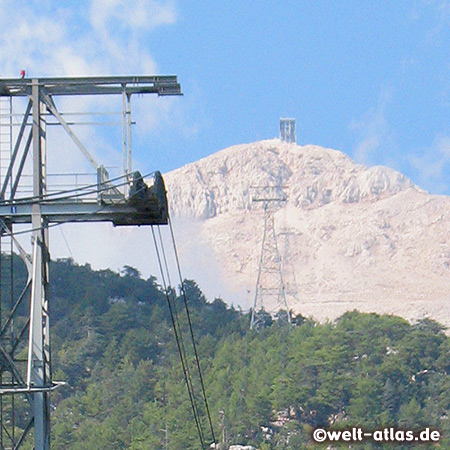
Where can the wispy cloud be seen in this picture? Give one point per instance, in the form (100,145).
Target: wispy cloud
(376,145)
(373,133)
(441,20)
(140,14)
(432,166)
(375,130)
(97,37)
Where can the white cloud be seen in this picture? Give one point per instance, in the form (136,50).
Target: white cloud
(99,37)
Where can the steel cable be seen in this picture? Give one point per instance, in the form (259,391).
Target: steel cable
(180,352)
(183,290)
(180,333)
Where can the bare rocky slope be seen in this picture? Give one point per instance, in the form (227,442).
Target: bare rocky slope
(360,238)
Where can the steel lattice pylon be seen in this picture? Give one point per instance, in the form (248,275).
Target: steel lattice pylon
(25,357)
(270,292)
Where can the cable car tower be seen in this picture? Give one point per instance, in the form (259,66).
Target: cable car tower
(270,292)
(29,199)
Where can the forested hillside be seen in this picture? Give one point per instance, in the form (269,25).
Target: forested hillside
(112,342)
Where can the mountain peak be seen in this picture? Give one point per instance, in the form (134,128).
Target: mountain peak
(361,237)
(312,177)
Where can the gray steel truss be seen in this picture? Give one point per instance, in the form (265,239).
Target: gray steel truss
(25,357)
(270,291)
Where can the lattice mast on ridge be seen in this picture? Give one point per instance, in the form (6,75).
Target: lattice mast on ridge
(270,291)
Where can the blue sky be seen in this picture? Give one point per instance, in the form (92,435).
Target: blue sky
(369,78)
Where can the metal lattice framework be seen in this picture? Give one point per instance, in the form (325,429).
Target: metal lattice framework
(25,357)
(270,292)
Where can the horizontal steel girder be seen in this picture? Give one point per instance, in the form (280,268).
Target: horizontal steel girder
(161,85)
(118,214)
